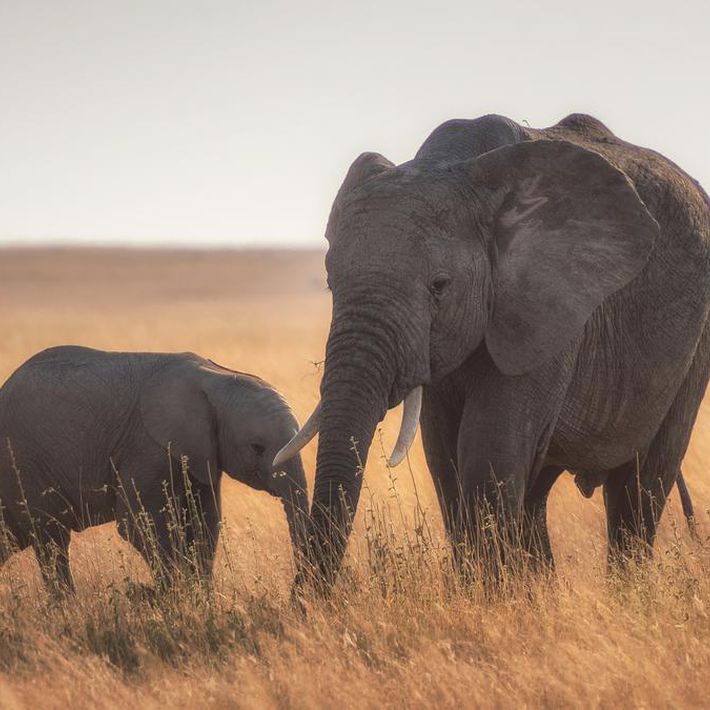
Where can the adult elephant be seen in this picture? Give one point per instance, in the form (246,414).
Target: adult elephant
(545,293)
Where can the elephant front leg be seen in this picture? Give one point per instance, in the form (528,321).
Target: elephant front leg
(202,530)
(535,536)
(493,475)
(175,528)
(149,515)
(152,539)
(489,528)
(503,438)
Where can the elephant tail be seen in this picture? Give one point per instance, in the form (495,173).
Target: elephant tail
(687,503)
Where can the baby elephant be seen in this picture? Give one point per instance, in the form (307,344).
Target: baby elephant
(141,438)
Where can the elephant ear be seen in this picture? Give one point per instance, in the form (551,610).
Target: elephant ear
(179,417)
(364,167)
(569,230)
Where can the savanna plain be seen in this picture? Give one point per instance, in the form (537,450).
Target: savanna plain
(399,629)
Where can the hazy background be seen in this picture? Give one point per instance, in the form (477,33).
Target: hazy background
(222,122)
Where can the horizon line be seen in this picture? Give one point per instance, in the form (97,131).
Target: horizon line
(159,246)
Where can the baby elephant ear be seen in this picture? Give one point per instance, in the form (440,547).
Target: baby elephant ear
(570,230)
(179,418)
(364,167)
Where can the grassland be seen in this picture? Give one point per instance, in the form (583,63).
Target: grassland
(398,632)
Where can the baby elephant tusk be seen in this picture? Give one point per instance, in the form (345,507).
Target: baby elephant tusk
(410,419)
(300,438)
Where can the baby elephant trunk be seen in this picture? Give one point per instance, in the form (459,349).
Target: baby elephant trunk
(288,482)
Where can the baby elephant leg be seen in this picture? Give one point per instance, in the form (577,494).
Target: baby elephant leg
(171,528)
(202,530)
(51,546)
(147,531)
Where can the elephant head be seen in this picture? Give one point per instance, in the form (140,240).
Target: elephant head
(231,422)
(428,261)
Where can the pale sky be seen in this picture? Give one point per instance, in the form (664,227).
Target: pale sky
(233,123)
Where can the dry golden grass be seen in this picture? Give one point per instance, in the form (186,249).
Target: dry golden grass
(398,631)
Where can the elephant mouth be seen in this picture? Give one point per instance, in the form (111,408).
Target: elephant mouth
(398,393)
(438,368)
(406,382)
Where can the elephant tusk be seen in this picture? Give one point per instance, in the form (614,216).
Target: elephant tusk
(410,419)
(300,438)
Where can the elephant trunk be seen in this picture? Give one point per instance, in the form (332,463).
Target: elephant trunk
(357,389)
(350,416)
(291,487)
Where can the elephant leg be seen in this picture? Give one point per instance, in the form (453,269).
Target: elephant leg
(535,537)
(504,435)
(51,546)
(152,540)
(170,527)
(635,494)
(202,532)
(150,517)
(634,498)
(491,510)
(442,407)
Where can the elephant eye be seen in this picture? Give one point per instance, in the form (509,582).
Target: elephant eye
(439,284)
(258,449)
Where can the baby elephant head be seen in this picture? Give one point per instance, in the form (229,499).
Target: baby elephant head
(232,422)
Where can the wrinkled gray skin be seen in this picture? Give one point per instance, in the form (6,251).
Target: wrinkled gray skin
(90,433)
(550,289)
